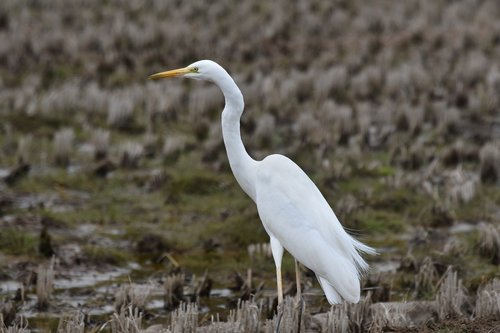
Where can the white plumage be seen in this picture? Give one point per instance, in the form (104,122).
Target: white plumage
(292,209)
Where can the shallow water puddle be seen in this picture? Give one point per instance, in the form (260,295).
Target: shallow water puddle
(94,290)
(385,266)
(462,227)
(80,279)
(71,290)
(8,287)
(4,173)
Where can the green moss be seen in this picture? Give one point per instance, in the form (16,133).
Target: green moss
(44,323)
(100,201)
(18,242)
(480,274)
(483,205)
(89,215)
(57,179)
(193,185)
(376,221)
(105,255)
(118,78)
(362,170)
(58,72)
(355,185)
(41,124)
(242,230)
(397,200)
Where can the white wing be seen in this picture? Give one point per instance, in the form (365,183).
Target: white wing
(295,212)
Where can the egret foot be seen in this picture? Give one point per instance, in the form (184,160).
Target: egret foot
(297,279)
(299,304)
(280,315)
(299,307)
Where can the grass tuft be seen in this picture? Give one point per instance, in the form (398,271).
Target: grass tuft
(488,301)
(174,291)
(489,242)
(451,296)
(45,284)
(72,323)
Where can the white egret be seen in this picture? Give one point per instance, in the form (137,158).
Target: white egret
(292,209)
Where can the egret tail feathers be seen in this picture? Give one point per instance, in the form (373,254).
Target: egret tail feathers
(361,265)
(364,248)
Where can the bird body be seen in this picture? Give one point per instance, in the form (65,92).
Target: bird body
(297,216)
(294,213)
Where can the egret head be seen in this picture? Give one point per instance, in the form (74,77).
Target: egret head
(199,70)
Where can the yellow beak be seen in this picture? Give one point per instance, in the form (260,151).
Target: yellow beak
(172,73)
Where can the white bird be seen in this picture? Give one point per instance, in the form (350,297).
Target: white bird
(292,209)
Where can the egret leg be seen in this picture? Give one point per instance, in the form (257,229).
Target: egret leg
(300,301)
(297,279)
(277,249)
(280,285)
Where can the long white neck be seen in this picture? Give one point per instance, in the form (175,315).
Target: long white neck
(242,165)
